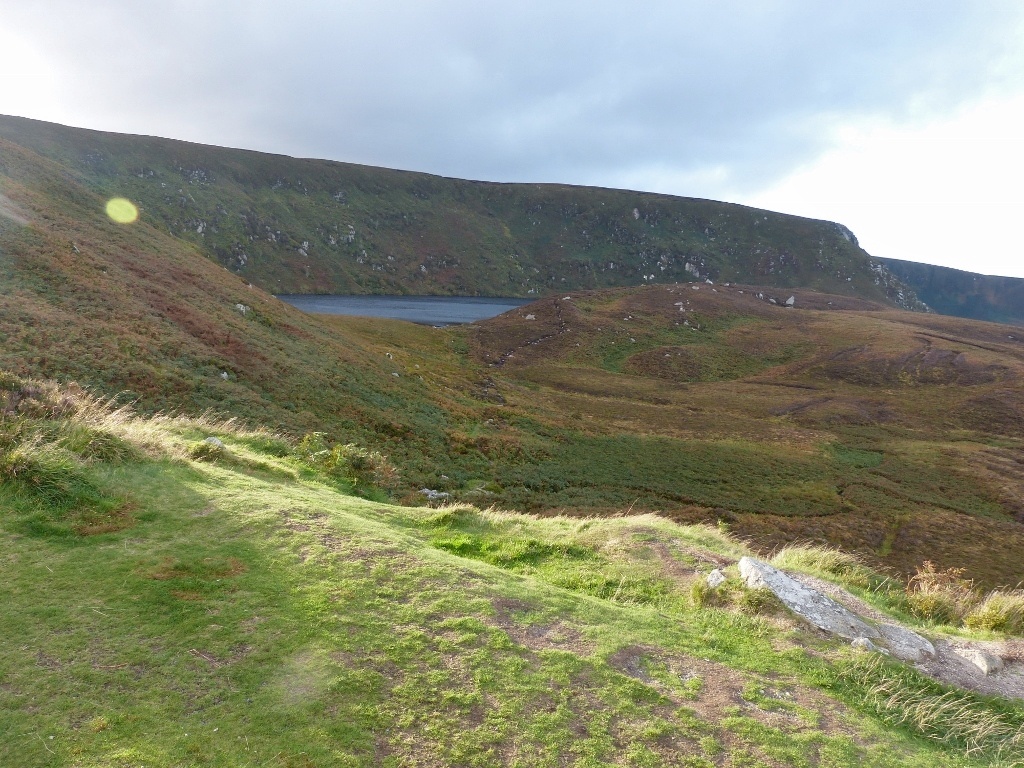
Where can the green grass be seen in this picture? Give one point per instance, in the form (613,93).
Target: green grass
(254,614)
(790,424)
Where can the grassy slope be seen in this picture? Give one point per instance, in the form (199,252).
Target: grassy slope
(837,422)
(310,226)
(890,433)
(130,309)
(246,613)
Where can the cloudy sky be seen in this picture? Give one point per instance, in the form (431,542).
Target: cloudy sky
(903,120)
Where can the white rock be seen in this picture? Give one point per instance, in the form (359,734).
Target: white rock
(215,442)
(791,301)
(906,645)
(810,604)
(531,317)
(716,578)
(986,662)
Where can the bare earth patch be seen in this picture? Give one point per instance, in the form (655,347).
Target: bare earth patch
(538,637)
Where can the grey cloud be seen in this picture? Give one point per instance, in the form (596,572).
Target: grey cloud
(576,92)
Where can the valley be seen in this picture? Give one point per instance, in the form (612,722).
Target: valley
(275,538)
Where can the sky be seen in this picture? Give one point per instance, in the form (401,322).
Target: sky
(902,120)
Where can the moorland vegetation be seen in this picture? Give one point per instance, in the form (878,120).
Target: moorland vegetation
(214,506)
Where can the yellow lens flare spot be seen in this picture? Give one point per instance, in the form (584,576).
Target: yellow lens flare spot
(122,211)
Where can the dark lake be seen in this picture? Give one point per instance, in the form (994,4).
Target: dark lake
(428,310)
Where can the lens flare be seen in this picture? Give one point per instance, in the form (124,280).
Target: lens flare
(122,211)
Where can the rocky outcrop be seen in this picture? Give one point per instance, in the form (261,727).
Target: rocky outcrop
(821,611)
(825,613)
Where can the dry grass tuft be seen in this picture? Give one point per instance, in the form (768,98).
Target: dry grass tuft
(951,717)
(828,561)
(943,596)
(1000,611)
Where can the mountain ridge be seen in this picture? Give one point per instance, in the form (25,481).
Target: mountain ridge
(310,226)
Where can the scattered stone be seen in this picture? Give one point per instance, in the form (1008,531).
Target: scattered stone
(791,301)
(906,645)
(531,317)
(215,442)
(716,578)
(986,662)
(242,308)
(433,495)
(224,375)
(810,604)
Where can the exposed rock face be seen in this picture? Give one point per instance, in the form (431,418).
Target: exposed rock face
(825,613)
(819,610)
(905,644)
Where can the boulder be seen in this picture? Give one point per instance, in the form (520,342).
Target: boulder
(716,578)
(906,645)
(810,604)
(986,662)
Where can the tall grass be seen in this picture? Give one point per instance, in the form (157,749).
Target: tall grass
(1001,611)
(953,717)
(943,596)
(843,566)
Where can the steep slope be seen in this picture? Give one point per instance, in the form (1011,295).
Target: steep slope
(126,308)
(839,420)
(965,294)
(311,226)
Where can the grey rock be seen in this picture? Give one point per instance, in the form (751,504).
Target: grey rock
(433,495)
(810,604)
(863,644)
(215,442)
(906,645)
(716,578)
(986,662)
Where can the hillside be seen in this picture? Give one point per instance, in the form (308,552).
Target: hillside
(838,420)
(311,226)
(965,294)
(240,568)
(177,601)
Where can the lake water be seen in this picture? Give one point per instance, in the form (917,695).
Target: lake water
(428,310)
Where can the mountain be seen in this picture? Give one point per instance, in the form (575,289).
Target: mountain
(839,419)
(313,226)
(965,294)
(220,574)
